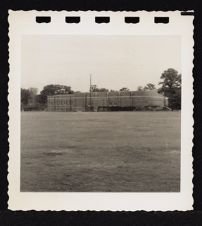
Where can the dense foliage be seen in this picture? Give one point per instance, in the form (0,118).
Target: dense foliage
(149,86)
(171,87)
(25,94)
(53,90)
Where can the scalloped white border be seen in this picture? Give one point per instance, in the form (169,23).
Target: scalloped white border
(23,23)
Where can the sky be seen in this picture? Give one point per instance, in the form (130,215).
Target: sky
(113,61)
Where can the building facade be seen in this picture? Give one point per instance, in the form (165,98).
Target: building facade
(107,101)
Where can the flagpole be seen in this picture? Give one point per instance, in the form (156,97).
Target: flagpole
(90,93)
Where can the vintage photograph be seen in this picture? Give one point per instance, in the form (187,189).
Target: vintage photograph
(100,113)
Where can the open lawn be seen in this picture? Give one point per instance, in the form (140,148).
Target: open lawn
(100,151)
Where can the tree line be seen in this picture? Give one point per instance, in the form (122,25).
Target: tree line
(170,86)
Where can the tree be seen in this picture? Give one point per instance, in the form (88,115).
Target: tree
(25,95)
(124,89)
(103,90)
(139,88)
(53,90)
(94,88)
(171,87)
(149,86)
(171,79)
(112,90)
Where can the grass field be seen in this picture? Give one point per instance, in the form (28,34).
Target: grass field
(100,151)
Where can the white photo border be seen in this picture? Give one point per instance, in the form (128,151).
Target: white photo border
(24,23)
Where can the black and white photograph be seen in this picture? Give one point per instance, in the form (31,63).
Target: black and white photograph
(102,112)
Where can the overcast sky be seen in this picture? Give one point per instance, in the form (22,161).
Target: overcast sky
(113,61)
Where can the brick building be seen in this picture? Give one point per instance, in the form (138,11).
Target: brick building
(107,101)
